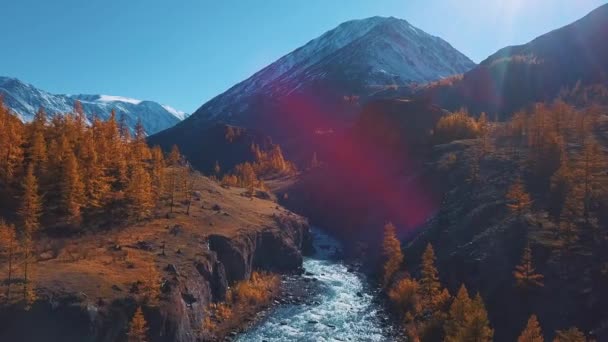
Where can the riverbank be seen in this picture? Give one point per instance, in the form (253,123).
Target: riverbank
(329,301)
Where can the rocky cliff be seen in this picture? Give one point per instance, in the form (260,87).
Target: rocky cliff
(92,297)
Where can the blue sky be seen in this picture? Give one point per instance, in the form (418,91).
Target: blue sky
(184,52)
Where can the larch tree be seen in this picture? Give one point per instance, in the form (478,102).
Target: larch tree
(30,209)
(96,184)
(391,252)
(9,245)
(29,213)
(430,287)
(518,199)
(478,325)
(525,275)
(456,325)
(138,328)
(174,156)
(152,284)
(72,190)
(591,166)
(158,172)
(139,192)
(532,332)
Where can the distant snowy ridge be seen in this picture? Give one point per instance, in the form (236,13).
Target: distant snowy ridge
(25,100)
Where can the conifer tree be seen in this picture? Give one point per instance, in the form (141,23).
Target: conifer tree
(11,140)
(96,184)
(570,335)
(139,192)
(138,328)
(518,198)
(456,326)
(532,331)
(31,208)
(525,275)
(9,244)
(478,325)
(152,284)
(591,166)
(430,288)
(72,190)
(175,156)
(37,150)
(158,172)
(391,251)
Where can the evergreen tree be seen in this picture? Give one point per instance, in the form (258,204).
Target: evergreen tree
(532,332)
(391,251)
(138,328)
(525,274)
(158,172)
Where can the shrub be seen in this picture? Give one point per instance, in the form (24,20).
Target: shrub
(456,126)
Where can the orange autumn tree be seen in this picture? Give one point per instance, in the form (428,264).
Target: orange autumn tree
(138,328)
(391,252)
(532,332)
(525,274)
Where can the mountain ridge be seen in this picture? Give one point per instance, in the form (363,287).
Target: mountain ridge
(25,99)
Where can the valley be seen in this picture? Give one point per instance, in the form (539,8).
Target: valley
(374,184)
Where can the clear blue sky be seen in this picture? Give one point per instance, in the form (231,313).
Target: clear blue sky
(184,52)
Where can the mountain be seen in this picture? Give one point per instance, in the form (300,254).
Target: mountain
(321,85)
(25,99)
(517,76)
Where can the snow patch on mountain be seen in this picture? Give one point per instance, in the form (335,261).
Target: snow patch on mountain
(357,55)
(25,100)
(111,98)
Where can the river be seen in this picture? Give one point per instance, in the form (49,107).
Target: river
(342,307)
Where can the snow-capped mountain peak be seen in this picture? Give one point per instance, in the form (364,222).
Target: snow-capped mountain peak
(25,100)
(355,58)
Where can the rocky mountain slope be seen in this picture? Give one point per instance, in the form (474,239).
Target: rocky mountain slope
(321,85)
(516,76)
(25,100)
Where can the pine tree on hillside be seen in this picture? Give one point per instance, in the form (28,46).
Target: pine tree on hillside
(570,335)
(96,184)
(532,332)
(31,207)
(430,288)
(525,275)
(478,325)
(519,200)
(391,252)
(158,172)
(456,326)
(152,284)
(138,328)
(37,149)
(591,166)
(139,193)
(9,245)
(72,190)
(174,157)
(11,140)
